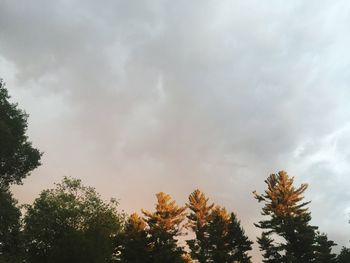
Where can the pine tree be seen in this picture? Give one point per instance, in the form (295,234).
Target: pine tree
(133,243)
(324,249)
(270,251)
(217,231)
(227,241)
(344,256)
(164,228)
(238,242)
(198,222)
(289,219)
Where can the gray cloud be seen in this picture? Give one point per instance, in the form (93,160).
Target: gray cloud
(163,95)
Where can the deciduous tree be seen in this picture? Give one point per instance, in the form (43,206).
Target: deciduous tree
(71,223)
(17,156)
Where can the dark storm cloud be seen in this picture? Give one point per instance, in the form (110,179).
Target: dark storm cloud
(164,95)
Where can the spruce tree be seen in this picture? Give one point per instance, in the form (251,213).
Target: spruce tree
(164,229)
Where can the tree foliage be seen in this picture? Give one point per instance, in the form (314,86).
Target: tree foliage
(17,156)
(133,243)
(289,220)
(199,218)
(164,226)
(344,255)
(219,236)
(10,236)
(71,224)
(324,249)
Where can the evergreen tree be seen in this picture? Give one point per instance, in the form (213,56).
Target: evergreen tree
(164,228)
(219,236)
(133,243)
(217,231)
(270,251)
(344,256)
(198,222)
(227,241)
(324,249)
(238,242)
(289,219)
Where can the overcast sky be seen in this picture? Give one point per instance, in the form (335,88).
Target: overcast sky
(137,97)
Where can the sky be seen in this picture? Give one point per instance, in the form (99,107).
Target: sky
(137,97)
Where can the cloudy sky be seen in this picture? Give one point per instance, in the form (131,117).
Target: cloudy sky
(137,97)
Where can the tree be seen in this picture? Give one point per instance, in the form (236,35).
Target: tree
(324,249)
(198,222)
(227,241)
(17,156)
(17,159)
(289,219)
(219,236)
(238,242)
(217,231)
(71,224)
(164,227)
(344,256)
(270,251)
(133,243)
(10,239)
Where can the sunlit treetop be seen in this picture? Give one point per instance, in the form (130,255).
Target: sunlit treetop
(281,198)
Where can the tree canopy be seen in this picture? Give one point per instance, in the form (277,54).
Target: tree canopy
(164,226)
(17,155)
(288,219)
(71,223)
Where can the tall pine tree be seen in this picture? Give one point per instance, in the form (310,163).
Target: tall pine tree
(198,222)
(164,229)
(133,243)
(288,218)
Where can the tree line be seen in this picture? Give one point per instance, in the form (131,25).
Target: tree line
(72,223)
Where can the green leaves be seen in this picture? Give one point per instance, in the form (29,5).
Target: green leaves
(17,156)
(71,221)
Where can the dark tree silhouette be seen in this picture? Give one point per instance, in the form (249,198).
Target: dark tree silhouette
(71,224)
(17,156)
(344,256)
(133,243)
(17,159)
(324,249)
(10,238)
